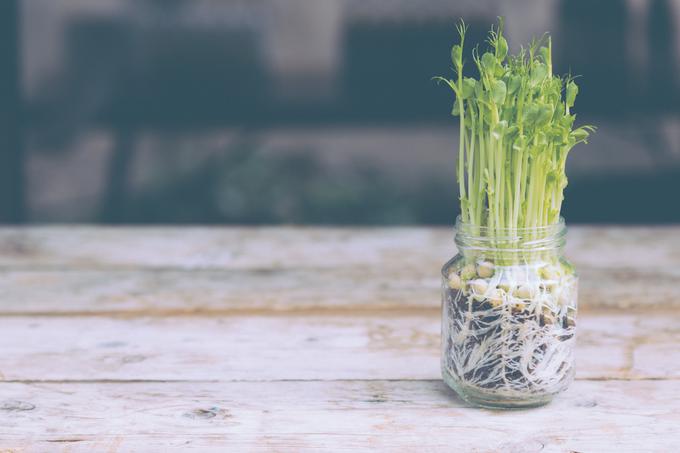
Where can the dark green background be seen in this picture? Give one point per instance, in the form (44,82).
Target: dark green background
(268,112)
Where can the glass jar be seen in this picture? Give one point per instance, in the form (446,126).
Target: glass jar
(508,316)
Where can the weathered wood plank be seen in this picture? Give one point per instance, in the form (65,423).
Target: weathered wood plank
(415,249)
(143,270)
(379,345)
(217,248)
(211,291)
(162,292)
(348,314)
(622,416)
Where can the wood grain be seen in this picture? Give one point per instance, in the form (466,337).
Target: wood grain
(371,346)
(191,248)
(147,271)
(218,292)
(622,416)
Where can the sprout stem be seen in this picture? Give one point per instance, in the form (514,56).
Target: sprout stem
(516,130)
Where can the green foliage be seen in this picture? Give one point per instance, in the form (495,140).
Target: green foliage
(516,131)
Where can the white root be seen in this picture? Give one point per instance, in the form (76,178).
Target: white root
(506,349)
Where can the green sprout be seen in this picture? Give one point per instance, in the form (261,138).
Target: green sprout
(516,130)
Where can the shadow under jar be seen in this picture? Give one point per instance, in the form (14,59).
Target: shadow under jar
(508,316)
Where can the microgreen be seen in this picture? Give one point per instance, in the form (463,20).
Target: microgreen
(516,130)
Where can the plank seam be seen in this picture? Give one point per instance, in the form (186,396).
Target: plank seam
(255,381)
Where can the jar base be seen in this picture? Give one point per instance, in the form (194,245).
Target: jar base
(491,401)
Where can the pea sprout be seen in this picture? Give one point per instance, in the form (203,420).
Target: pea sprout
(509,299)
(516,131)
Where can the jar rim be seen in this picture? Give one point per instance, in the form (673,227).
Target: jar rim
(467,227)
(509,240)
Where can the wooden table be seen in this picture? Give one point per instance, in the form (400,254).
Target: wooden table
(287,339)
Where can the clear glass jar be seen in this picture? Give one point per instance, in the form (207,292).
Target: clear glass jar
(508,316)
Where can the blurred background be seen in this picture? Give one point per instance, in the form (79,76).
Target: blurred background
(310,111)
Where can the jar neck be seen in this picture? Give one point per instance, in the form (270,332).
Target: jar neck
(524,244)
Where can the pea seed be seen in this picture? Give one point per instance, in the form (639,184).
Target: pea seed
(455,281)
(496,297)
(549,273)
(485,269)
(547,316)
(468,272)
(523,292)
